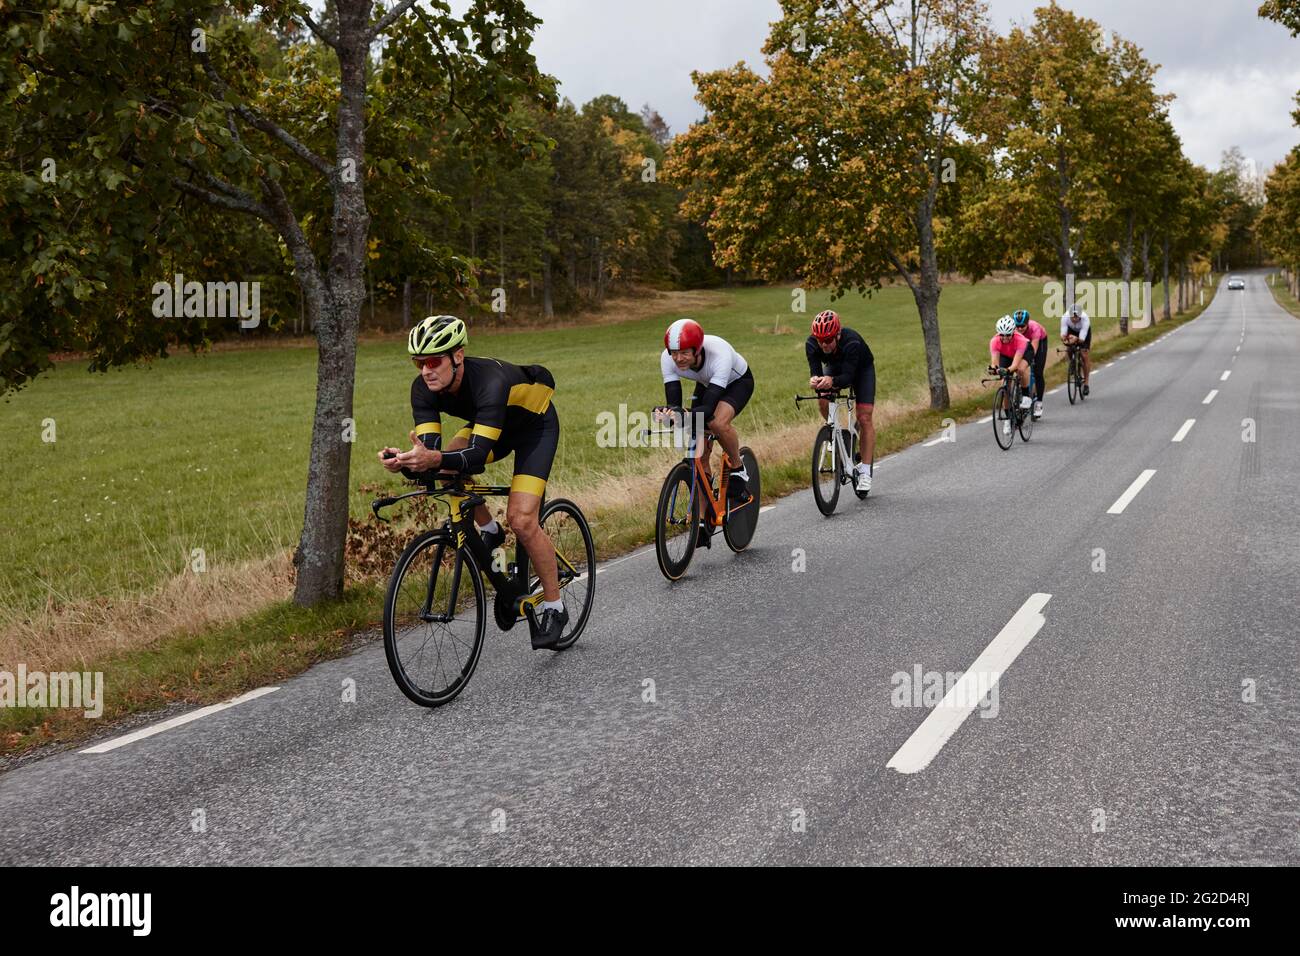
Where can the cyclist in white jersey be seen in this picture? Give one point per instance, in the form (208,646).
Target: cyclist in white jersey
(1076,329)
(723,386)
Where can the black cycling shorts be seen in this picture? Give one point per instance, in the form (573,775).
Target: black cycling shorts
(864,386)
(534,452)
(739,392)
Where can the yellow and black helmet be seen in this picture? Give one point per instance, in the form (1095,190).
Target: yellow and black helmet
(437,334)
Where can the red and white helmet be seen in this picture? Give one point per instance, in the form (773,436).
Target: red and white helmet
(684,334)
(826,325)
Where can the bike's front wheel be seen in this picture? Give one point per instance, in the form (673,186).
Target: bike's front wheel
(827,471)
(677,522)
(575,555)
(435,617)
(738,527)
(1003,418)
(1073,390)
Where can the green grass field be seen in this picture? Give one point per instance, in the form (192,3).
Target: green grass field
(210,451)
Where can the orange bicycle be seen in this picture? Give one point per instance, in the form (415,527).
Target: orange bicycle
(690,508)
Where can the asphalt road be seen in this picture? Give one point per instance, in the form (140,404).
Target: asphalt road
(1152,718)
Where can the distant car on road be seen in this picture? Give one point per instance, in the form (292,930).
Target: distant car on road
(1236,282)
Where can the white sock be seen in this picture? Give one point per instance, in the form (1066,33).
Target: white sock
(490,528)
(552,605)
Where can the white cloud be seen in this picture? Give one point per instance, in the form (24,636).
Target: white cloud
(1244,106)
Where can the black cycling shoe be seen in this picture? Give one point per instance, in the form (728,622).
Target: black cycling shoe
(494,539)
(1086,389)
(704,538)
(736,487)
(550,628)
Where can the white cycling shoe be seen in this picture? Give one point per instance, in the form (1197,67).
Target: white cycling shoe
(863,483)
(1026,402)
(1038,410)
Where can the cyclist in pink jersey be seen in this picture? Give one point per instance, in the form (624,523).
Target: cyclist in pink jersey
(1010,350)
(1037,354)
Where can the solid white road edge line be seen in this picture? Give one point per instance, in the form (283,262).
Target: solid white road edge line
(1182,432)
(964,696)
(175,722)
(1123,501)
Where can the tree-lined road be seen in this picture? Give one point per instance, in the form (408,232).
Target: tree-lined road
(773,725)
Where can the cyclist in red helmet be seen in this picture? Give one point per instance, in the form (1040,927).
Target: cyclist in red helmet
(723,386)
(839,358)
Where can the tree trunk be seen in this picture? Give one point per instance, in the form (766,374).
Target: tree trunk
(1126,273)
(926,292)
(1063,249)
(600,272)
(548,305)
(406,303)
(319,558)
(1165,268)
(1148,277)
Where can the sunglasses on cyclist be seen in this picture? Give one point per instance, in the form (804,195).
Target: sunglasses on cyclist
(427,361)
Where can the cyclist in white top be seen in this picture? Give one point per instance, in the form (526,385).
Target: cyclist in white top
(723,386)
(1076,329)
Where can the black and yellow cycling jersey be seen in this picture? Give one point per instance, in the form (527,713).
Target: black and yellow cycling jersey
(508,409)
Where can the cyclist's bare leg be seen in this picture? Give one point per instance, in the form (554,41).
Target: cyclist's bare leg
(720,425)
(521,514)
(866,432)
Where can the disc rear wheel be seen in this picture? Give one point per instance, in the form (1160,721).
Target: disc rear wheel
(742,516)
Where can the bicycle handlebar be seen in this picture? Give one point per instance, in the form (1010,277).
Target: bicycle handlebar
(453,483)
(833,395)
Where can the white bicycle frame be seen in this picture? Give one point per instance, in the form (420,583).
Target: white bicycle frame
(832,418)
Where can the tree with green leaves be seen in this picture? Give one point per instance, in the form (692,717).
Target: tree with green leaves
(831,168)
(150,111)
(1043,102)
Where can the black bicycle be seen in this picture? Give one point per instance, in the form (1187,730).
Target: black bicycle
(1074,374)
(435,612)
(1008,416)
(835,451)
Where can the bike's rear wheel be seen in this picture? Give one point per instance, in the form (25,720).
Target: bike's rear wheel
(1083,396)
(1003,418)
(677,522)
(827,471)
(1026,425)
(575,553)
(742,518)
(435,617)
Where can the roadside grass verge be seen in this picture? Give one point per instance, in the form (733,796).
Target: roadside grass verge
(1283,297)
(207,453)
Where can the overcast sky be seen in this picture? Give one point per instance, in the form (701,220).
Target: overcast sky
(1235,76)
